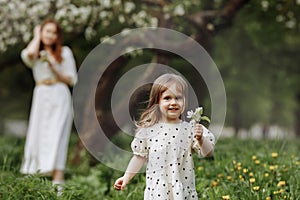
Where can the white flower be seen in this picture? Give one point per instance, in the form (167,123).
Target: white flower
(179,10)
(106,3)
(125,32)
(121,19)
(265,5)
(197,115)
(43,55)
(108,40)
(153,22)
(190,114)
(129,6)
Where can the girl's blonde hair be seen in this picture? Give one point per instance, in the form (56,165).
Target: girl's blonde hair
(152,113)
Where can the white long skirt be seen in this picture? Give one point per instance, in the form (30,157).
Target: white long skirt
(49,129)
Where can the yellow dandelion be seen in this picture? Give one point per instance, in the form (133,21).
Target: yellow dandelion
(266,174)
(241,178)
(265,164)
(274,155)
(281,191)
(256,188)
(220,175)
(252,180)
(281,183)
(271,167)
(229,178)
(285,168)
(268,198)
(214,183)
(225,197)
(297,163)
(245,170)
(200,168)
(251,174)
(257,162)
(253,157)
(234,162)
(239,168)
(239,164)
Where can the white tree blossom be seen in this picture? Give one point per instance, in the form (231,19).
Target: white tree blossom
(89,17)
(179,10)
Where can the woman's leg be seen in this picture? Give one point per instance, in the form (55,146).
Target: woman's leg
(58,176)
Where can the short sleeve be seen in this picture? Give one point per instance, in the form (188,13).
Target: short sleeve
(25,58)
(139,145)
(69,64)
(206,134)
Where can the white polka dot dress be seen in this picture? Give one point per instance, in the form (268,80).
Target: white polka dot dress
(170,168)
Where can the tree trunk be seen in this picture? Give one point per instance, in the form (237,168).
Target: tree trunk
(103,94)
(236,119)
(297,117)
(103,102)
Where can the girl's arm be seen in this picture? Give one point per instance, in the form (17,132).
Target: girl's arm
(134,166)
(206,146)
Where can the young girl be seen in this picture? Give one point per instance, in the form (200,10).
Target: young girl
(166,143)
(50,121)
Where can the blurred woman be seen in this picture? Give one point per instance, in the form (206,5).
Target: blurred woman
(50,120)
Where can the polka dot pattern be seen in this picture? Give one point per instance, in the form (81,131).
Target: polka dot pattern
(170,168)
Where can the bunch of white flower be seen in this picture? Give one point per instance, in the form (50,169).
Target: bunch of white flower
(197,115)
(43,56)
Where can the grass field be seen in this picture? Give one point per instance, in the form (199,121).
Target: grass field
(241,169)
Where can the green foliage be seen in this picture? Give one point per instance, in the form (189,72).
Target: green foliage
(15,92)
(256,58)
(27,187)
(241,169)
(11,154)
(245,169)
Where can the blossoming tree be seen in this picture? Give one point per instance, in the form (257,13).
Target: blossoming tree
(199,19)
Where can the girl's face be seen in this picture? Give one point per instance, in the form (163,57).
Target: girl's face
(171,104)
(49,34)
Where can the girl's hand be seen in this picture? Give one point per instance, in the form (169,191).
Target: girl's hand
(198,132)
(120,184)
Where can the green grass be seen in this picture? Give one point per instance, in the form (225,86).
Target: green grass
(241,169)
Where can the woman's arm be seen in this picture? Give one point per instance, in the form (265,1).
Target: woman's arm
(61,77)
(34,45)
(134,166)
(69,74)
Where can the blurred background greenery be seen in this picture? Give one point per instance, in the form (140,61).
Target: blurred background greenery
(255,45)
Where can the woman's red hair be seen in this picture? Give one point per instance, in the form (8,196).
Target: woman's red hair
(57,46)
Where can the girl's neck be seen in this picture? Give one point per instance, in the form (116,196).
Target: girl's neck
(170,122)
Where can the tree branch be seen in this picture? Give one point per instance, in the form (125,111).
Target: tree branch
(202,18)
